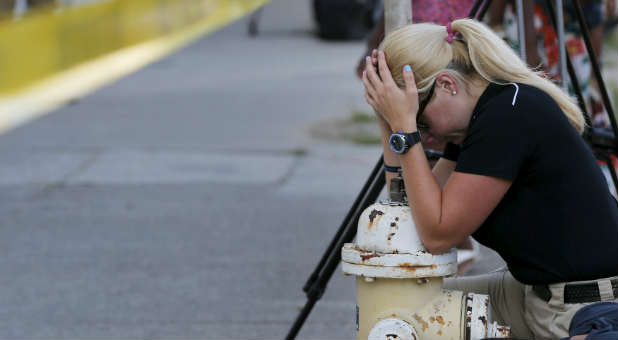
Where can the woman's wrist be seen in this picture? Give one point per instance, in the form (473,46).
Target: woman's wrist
(406,127)
(384,127)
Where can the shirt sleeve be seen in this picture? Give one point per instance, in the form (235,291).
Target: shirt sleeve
(497,143)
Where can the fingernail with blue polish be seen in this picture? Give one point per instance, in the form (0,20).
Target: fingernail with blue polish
(407,68)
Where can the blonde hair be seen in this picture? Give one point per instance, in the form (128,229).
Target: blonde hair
(479,55)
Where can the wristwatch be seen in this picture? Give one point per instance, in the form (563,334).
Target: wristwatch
(402,142)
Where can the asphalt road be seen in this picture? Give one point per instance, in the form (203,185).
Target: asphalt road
(187,200)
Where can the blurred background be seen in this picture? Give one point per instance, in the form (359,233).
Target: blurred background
(176,168)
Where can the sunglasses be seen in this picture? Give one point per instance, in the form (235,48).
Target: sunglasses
(421,108)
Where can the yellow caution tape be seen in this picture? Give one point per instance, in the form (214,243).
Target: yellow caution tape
(47,42)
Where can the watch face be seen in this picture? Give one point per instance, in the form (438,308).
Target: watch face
(398,143)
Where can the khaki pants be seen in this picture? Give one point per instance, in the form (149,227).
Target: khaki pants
(514,304)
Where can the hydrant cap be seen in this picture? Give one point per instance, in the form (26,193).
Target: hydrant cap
(387,245)
(388,229)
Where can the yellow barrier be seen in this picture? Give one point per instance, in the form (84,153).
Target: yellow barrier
(47,42)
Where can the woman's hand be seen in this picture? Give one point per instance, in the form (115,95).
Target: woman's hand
(386,129)
(396,106)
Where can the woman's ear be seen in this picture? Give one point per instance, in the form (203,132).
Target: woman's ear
(446,82)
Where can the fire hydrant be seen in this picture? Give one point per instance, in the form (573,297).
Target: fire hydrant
(399,283)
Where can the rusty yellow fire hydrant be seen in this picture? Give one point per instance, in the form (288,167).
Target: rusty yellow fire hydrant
(399,283)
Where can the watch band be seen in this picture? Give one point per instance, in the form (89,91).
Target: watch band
(412,138)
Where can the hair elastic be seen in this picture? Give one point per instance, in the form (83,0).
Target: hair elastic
(394,169)
(449,37)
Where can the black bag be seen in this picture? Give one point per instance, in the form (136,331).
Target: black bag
(346,19)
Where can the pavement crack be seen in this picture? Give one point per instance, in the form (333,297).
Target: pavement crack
(299,155)
(81,168)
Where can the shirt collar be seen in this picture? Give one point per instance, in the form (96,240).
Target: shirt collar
(491,91)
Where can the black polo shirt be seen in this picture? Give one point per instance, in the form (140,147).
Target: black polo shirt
(558,221)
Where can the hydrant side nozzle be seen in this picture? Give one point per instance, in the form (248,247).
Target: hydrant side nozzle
(393,328)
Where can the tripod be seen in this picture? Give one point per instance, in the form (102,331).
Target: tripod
(603,144)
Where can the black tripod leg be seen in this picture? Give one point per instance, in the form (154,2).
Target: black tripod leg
(315,292)
(483,10)
(570,69)
(346,221)
(475,8)
(595,67)
(612,170)
(300,319)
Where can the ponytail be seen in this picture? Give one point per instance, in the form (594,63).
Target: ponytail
(496,62)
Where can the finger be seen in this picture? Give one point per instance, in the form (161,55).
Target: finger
(374,57)
(360,68)
(408,77)
(369,63)
(385,73)
(368,87)
(370,101)
(373,77)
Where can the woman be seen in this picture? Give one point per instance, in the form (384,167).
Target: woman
(523,182)
(438,12)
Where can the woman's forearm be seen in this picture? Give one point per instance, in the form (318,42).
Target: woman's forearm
(390,158)
(425,197)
